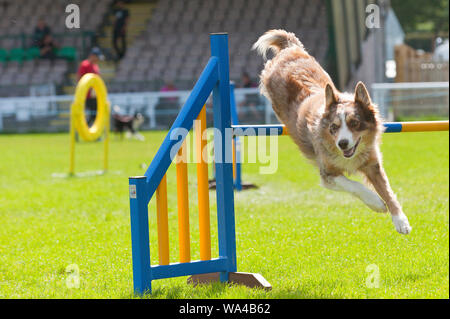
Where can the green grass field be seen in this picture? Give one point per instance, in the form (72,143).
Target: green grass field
(308,242)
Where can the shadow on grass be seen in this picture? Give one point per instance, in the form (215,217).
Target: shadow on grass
(183,291)
(219,290)
(301,293)
(85,174)
(413,277)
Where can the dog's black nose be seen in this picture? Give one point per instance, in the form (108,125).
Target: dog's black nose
(343,144)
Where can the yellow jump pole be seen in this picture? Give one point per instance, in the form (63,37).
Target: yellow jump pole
(203,187)
(183,205)
(424,126)
(163,222)
(106,142)
(72,147)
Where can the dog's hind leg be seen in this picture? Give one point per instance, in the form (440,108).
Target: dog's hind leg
(343,184)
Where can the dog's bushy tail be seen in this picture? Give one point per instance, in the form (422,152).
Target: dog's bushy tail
(276,40)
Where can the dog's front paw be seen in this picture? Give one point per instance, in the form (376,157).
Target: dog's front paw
(375,202)
(401,223)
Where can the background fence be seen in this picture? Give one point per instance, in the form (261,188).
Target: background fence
(408,101)
(418,66)
(51,113)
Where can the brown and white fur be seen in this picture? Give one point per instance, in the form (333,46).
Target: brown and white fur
(339,132)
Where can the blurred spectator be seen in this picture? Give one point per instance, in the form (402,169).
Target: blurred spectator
(90,65)
(441,52)
(40,31)
(168,106)
(47,47)
(246,81)
(168,86)
(248,108)
(121,15)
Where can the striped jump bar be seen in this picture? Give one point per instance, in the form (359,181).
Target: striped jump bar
(391,127)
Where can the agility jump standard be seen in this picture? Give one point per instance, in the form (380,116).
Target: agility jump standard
(215,79)
(78,119)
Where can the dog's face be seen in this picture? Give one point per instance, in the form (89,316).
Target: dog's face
(350,122)
(138,120)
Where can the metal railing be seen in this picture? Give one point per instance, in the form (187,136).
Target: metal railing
(411,98)
(51,113)
(160,109)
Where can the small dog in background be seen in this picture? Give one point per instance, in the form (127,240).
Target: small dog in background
(127,124)
(339,132)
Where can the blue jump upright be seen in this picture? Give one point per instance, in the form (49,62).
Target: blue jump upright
(215,79)
(237,142)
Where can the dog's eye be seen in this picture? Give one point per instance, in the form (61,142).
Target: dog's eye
(333,128)
(353,123)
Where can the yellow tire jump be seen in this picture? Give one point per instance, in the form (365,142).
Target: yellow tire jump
(78,121)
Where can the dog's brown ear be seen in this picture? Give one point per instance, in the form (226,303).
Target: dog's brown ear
(362,95)
(363,101)
(330,97)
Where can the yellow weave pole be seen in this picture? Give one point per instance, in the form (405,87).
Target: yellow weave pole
(203,187)
(183,205)
(78,123)
(163,222)
(424,126)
